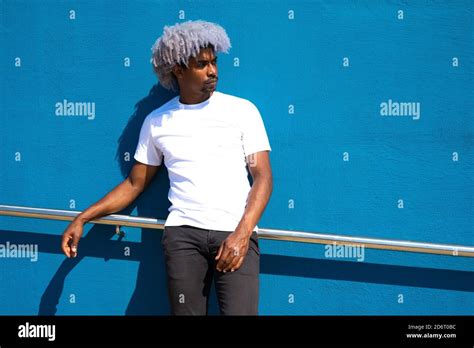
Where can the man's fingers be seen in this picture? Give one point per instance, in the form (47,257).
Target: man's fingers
(65,245)
(234,260)
(220,264)
(233,264)
(239,264)
(74,245)
(219,253)
(227,260)
(223,260)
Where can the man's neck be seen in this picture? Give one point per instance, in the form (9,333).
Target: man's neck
(184,99)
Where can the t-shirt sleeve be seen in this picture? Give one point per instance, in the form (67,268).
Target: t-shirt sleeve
(147,152)
(255,137)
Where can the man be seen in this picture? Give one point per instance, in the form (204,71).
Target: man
(207,140)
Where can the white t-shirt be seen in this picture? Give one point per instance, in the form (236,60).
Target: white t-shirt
(204,147)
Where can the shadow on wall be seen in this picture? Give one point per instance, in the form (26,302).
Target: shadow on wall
(364,272)
(149,297)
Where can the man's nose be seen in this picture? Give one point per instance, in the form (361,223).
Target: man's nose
(212,70)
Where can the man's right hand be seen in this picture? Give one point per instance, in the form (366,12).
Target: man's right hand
(71,237)
(117,199)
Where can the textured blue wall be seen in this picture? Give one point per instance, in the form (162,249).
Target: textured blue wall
(319,72)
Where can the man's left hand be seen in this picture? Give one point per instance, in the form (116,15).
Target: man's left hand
(232,251)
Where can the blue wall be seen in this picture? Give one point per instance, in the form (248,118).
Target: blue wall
(319,72)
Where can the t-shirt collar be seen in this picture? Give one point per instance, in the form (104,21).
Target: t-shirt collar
(198,105)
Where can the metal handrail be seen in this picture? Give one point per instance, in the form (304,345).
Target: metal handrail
(266,233)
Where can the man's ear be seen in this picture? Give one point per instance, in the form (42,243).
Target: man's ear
(177,71)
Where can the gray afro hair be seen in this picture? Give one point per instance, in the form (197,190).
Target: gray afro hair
(182,41)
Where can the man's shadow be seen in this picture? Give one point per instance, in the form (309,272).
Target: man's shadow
(150,295)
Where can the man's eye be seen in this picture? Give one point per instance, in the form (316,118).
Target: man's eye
(204,64)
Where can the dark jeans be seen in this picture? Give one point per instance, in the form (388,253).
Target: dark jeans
(190,254)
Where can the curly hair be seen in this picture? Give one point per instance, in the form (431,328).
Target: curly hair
(182,41)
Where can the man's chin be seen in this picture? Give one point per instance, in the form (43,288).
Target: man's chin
(209,89)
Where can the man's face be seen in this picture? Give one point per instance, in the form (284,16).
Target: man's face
(200,78)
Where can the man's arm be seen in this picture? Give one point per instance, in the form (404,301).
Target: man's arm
(232,252)
(117,199)
(259,195)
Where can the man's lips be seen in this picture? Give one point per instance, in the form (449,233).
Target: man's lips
(210,82)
